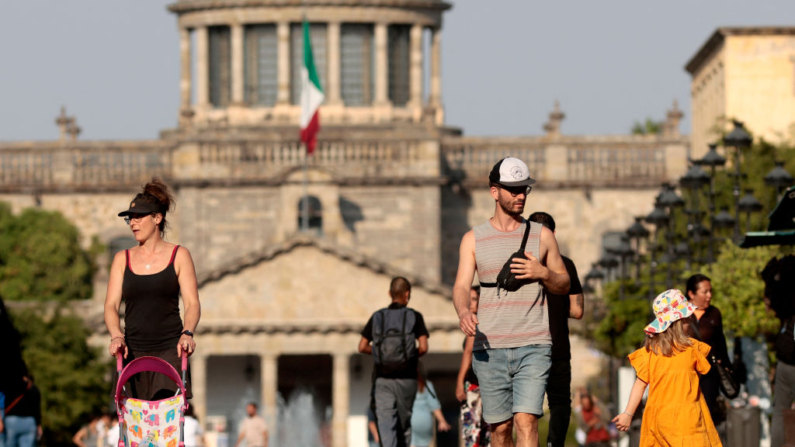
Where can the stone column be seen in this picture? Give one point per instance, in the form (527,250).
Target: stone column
(270,389)
(202,67)
(340,397)
(283,63)
(415,72)
(435,95)
(185,75)
(334,65)
(381,66)
(237,64)
(198,376)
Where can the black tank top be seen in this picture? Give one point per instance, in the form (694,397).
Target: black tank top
(151,320)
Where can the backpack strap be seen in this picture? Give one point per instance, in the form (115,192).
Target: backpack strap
(491,285)
(403,336)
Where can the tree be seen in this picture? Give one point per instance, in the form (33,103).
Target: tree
(43,265)
(70,375)
(41,258)
(648,127)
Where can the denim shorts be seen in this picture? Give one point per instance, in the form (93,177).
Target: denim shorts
(512,380)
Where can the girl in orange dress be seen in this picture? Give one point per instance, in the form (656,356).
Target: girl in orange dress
(676,413)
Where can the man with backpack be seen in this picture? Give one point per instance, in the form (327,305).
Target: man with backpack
(396,336)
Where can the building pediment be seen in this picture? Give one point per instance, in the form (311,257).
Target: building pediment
(307,285)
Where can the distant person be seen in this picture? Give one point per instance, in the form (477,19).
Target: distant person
(13,368)
(676,412)
(88,435)
(150,278)
(194,435)
(561,308)
(425,410)
(517,262)
(22,424)
(254,429)
(474,430)
(779,276)
(396,336)
(592,420)
(706,325)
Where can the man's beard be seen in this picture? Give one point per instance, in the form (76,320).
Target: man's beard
(506,207)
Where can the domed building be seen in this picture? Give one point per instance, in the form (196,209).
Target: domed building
(390,191)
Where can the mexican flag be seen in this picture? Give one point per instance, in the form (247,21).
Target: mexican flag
(311,96)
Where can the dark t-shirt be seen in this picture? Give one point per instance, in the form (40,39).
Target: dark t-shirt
(419,330)
(559,307)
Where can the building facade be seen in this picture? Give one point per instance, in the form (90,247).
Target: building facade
(746,74)
(391,190)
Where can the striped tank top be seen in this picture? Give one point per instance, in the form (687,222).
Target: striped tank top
(508,319)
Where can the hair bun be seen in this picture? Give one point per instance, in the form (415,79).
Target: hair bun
(157,189)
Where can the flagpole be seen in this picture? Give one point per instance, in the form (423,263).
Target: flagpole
(305,193)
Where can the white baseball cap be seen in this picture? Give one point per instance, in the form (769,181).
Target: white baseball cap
(511,171)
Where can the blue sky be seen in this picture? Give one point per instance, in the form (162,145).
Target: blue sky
(115,65)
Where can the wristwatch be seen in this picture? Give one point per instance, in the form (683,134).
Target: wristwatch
(188,333)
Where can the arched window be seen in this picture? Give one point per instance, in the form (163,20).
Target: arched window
(315,213)
(121,243)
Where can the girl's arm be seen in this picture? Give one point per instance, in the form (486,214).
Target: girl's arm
(440,420)
(623,420)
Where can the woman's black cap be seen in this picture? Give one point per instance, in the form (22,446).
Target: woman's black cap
(141,206)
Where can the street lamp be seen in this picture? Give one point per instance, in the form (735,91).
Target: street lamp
(637,232)
(779,178)
(670,200)
(608,262)
(748,204)
(694,179)
(623,250)
(659,219)
(739,139)
(713,160)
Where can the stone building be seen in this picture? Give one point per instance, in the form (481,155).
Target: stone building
(746,74)
(391,189)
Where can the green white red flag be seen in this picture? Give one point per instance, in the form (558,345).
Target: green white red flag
(311,96)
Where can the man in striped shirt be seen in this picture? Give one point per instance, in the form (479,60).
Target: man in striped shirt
(512,351)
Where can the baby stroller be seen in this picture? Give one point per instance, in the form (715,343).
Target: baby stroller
(151,424)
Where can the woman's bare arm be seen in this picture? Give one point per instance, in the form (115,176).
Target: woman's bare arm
(113,304)
(188,285)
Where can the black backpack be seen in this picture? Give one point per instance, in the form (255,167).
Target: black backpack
(785,342)
(394,342)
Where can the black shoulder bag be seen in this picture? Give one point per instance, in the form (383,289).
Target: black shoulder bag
(728,385)
(506,280)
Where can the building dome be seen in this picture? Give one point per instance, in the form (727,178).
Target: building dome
(247,55)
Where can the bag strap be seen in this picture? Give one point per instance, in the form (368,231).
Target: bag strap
(403,336)
(16,401)
(491,285)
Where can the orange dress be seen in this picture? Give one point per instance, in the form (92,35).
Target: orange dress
(676,413)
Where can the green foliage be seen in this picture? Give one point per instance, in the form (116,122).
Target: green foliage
(648,127)
(41,258)
(738,290)
(68,372)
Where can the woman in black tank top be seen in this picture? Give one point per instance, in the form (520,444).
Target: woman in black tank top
(149,279)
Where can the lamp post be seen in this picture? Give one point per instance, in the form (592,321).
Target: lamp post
(659,219)
(713,160)
(740,140)
(608,262)
(595,275)
(779,178)
(670,200)
(694,179)
(748,204)
(637,232)
(624,251)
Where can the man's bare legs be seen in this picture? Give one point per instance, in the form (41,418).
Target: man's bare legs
(526,431)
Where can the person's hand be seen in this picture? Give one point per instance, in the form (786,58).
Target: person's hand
(469,322)
(622,421)
(529,268)
(117,344)
(186,344)
(39,432)
(460,393)
(1,425)
(376,438)
(443,425)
